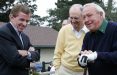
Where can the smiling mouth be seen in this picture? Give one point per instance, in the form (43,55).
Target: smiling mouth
(88,24)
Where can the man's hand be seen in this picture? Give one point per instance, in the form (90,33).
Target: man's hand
(82,61)
(92,56)
(23,52)
(85,57)
(31,49)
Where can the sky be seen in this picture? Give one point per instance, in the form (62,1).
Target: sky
(43,6)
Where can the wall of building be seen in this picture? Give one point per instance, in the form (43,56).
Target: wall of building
(46,55)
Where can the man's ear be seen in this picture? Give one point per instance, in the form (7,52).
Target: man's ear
(10,16)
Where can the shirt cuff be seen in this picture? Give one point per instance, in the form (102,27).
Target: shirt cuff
(29,56)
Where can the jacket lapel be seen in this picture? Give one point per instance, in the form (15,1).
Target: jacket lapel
(15,36)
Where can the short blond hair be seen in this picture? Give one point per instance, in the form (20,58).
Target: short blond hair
(20,8)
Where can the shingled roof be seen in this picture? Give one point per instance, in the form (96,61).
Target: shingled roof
(42,37)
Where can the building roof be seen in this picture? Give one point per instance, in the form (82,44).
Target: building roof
(41,36)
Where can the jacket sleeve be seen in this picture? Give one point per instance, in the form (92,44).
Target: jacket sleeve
(10,55)
(35,56)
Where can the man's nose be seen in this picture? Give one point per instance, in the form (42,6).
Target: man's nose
(73,20)
(25,23)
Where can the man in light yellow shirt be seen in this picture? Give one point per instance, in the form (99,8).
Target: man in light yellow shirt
(69,43)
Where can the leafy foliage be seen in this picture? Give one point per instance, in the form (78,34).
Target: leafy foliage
(110,10)
(6,5)
(5,2)
(5,9)
(36,20)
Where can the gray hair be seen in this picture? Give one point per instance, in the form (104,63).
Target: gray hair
(76,6)
(98,8)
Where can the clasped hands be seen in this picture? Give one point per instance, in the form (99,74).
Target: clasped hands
(25,52)
(86,57)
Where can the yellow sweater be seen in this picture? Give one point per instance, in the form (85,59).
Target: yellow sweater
(67,49)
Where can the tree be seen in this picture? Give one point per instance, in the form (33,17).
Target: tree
(5,9)
(5,6)
(36,20)
(60,13)
(111,11)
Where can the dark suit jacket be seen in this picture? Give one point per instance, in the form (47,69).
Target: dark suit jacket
(11,63)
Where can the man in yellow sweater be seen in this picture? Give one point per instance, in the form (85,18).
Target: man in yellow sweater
(69,43)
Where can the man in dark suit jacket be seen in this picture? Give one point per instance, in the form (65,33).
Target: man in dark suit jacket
(15,52)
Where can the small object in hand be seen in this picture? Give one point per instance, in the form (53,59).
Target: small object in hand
(82,61)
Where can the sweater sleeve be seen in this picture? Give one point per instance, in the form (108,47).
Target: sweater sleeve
(59,49)
(110,57)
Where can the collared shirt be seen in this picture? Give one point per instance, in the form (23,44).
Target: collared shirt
(79,33)
(19,34)
(103,26)
(15,28)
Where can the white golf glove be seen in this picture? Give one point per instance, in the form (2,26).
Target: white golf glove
(92,56)
(82,61)
(84,58)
